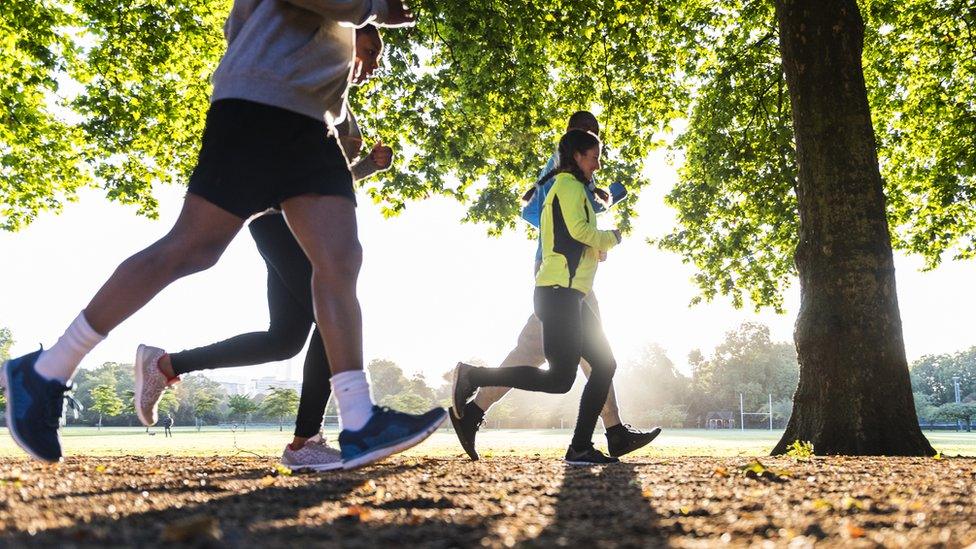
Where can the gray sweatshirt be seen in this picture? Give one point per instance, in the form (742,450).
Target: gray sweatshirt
(293,54)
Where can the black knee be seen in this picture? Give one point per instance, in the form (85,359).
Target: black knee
(561,382)
(284,344)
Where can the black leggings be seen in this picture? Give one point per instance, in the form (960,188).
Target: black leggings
(570,331)
(292,315)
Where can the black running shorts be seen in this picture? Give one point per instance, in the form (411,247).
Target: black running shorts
(255,156)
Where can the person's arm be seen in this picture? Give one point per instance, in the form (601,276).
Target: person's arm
(571,203)
(378,159)
(383,13)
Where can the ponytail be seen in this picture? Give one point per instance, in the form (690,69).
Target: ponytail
(572,142)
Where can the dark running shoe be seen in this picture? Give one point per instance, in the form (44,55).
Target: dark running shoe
(467,428)
(588,456)
(386,433)
(623,439)
(462,388)
(34,407)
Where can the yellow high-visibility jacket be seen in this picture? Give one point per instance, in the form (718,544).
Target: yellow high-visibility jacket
(571,243)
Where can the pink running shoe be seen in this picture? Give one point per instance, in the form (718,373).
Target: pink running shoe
(150,383)
(316,455)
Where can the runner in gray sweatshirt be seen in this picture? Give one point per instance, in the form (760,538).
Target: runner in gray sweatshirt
(269,141)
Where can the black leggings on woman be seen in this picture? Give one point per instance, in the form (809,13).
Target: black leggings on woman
(292,315)
(570,331)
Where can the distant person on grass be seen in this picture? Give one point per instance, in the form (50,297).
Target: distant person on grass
(167,425)
(278,93)
(621,437)
(572,246)
(290,308)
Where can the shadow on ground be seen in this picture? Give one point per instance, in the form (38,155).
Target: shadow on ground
(600,506)
(496,502)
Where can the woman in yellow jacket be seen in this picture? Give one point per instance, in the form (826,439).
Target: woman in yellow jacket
(571,249)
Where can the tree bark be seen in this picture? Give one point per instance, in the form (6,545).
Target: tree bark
(854,395)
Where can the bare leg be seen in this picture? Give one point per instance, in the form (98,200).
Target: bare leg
(197,240)
(325,227)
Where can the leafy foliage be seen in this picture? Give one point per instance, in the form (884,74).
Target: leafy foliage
(492,92)
(932,375)
(736,201)
(40,153)
(241,408)
(746,362)
(474,98)
(146,88)
(168,403)
(958,411)
(279,403)
(6,341)
(651,391)
(800,450)
(105,401)
(921,67)
(475,122)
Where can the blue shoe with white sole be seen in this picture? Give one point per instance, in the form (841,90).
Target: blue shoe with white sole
(34,407)
(386,433)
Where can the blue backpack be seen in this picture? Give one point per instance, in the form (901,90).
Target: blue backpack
(536,196)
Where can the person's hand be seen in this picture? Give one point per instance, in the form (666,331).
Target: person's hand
(381,155)
(603,256)
(400,15)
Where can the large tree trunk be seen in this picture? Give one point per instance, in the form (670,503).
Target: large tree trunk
(854,395)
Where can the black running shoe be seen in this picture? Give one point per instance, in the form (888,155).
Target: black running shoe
(588,456)
(467,428)
(623,439)
(463,390)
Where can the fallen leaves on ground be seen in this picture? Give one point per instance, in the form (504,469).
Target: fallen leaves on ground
(495,502)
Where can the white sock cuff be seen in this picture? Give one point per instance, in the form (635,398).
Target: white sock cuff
(84,331)
(349,381)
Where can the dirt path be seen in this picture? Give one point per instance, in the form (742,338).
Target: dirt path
(681,502)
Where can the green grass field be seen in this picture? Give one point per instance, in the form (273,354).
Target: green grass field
(265,441)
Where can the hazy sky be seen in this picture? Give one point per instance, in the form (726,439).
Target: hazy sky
(433,290)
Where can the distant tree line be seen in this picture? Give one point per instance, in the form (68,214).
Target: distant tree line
(934,388)
(650,390)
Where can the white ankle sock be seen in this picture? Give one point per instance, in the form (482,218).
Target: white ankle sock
(62,359)
(355,403)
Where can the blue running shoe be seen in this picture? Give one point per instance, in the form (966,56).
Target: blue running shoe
(387,433)
(34,407)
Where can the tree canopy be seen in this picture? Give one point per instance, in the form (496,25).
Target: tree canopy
(114,94)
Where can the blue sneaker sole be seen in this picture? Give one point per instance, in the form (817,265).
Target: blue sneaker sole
(395,446)
(11,425)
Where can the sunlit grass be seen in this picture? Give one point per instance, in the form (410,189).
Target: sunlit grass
(268,441)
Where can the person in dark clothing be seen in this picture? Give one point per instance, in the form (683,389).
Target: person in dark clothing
(167,424)
(572,247)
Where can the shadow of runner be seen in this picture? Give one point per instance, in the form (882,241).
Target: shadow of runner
(602,506)
(234,514)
